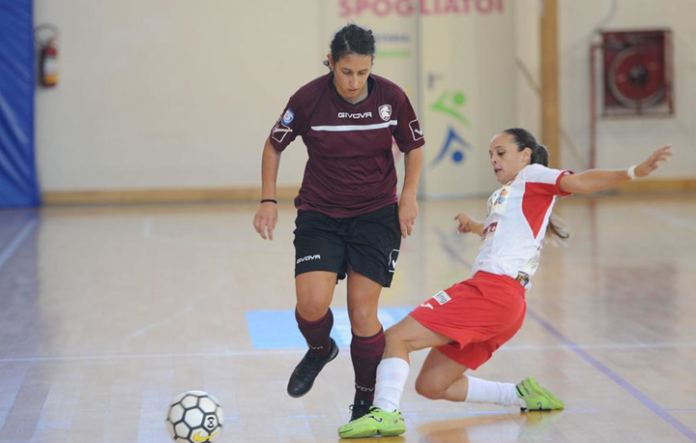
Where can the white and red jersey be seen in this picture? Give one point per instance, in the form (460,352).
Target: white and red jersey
(517,217)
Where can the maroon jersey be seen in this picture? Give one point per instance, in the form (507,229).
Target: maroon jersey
(350,170)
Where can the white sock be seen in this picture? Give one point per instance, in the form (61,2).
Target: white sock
(391,379)
(483,391)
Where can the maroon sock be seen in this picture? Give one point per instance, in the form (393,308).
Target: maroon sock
(317,333)
(366,353)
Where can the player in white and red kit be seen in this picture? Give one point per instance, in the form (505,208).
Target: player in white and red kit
(350,221)
(467,322)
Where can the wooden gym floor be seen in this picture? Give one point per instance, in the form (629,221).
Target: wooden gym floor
(106,313)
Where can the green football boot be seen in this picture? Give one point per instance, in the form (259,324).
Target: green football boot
(375,422)
(537,397)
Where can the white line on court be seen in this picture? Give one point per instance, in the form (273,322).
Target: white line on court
(147,227)
(300,351)
(673,219)
(17,241)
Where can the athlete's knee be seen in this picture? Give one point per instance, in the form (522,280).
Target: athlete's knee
(362,316)
(312,309)
(397,336)
(428,389)
(391,335)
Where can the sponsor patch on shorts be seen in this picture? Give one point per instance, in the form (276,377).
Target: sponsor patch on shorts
(442,297)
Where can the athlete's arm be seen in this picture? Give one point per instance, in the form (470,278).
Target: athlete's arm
(267,215)
(468,224)
(408,205)
(596,180)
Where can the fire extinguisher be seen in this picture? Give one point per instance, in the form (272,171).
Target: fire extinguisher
(48,54)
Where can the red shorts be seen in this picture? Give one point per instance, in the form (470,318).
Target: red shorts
(478,314)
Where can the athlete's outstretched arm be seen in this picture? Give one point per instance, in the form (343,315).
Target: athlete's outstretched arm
(595,180)
(408,205)
(267,215)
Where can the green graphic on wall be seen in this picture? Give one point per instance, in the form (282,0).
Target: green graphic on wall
(454,145)
(449,104)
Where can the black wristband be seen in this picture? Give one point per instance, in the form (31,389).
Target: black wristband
(269,200)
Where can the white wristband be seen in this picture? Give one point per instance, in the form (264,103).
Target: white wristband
(632,172)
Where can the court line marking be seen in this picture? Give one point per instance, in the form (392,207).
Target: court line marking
(673,219)
(302,351)
(449,249)
(147,227)
(516,415)
(616,378)
(17,241)
(191,307)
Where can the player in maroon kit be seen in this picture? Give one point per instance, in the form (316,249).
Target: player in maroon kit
(349,221)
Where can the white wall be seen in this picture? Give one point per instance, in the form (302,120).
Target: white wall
(171,93)
(180,94)
(471,54)
(621,142)
(627,141)
(527,62)
(461,49)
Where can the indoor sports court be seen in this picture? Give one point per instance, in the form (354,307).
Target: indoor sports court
(131,141)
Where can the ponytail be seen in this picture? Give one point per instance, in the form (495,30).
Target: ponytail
(557,229)
(540,155)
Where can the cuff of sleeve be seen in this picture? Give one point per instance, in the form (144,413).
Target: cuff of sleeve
(413,145)
(558,182)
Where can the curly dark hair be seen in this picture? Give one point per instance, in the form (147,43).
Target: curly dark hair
(352,39)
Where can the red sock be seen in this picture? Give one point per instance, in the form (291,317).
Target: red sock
(366,353)
(317,333)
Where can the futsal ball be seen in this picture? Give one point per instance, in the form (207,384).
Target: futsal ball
(194,417)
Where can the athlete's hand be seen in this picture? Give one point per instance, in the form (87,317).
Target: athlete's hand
(266,219)
(408,211)
(466,223)
(653,162)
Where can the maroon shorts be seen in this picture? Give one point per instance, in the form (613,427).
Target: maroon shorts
(478,314)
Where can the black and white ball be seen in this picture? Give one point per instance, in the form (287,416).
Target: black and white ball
(194,417)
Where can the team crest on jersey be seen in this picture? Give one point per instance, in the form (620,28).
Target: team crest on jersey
(498,201)
(288,117)
(385,112)
(502,197)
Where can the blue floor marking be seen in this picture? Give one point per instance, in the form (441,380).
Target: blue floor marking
(278,329)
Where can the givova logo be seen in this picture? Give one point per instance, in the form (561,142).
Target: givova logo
(355,115)
(308,258)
